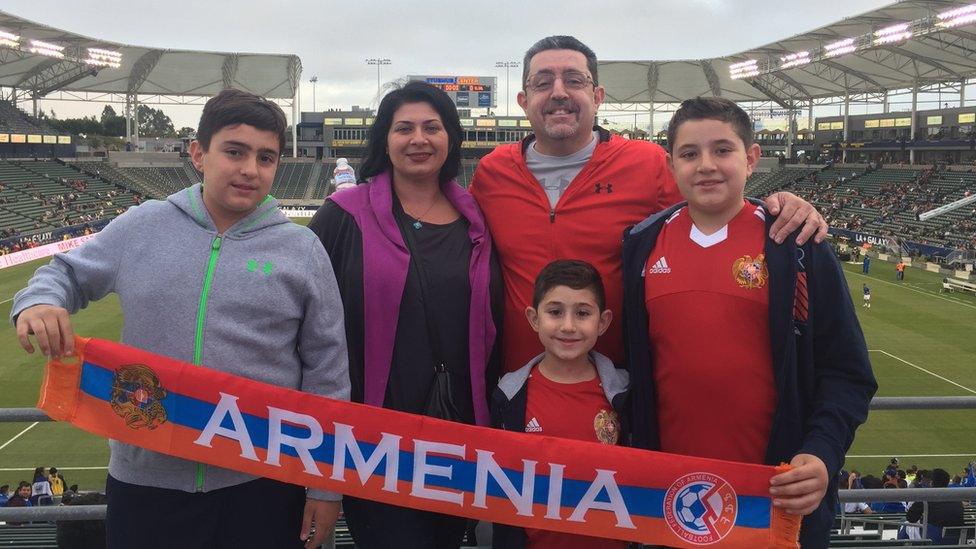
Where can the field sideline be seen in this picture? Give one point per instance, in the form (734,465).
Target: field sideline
(921,344)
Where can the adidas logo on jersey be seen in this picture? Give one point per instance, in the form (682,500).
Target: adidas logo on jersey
(661,267)
(533,426)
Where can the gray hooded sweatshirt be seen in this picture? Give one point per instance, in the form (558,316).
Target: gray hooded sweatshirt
(259,301)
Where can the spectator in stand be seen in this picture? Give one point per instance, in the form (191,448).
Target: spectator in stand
(41,488)
(57,482)
(854,483)
(941,513)
(21,498)
(3,495)
(923,479)
(892,469)
(889,506)
(911,474)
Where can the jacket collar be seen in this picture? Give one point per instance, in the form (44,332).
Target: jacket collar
(603,135)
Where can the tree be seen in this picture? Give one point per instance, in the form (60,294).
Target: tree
(155,123)
(112,123)
(186,131)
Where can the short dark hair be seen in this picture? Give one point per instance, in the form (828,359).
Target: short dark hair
(578,275)
(940,478)
(560,43)
(231,107)
(378,158)
(711,108)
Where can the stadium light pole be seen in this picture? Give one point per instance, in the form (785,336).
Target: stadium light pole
(313,80)
(379,63)
(508,92)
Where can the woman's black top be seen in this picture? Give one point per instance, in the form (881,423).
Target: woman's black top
(444,252)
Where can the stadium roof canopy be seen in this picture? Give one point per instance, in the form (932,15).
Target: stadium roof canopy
(934,53)
(143,70)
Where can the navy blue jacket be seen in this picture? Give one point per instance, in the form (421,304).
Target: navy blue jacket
(508,405)
(821,368)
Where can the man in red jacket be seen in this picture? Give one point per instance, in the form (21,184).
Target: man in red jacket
(570,190)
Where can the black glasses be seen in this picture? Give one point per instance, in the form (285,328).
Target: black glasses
(544,81)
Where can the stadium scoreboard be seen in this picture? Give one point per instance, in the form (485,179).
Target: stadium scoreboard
(466,91)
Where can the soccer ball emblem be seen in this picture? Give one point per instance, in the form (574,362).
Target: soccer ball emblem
(691,508)
(700,508)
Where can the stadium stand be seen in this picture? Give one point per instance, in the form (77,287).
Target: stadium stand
(293,179)
(15,120)
(37,197)
(883,201)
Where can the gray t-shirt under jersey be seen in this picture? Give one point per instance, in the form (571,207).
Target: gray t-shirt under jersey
(556,172)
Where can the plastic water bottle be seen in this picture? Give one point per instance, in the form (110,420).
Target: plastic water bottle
(344,174)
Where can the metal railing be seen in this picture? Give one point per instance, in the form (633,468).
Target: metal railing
(923,495)
(96,512)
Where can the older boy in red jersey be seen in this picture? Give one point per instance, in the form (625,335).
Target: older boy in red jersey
(784,376)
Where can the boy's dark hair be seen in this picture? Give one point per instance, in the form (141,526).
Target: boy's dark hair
(378,158)
(578,275)
(940,478)
(711,108)
(231,107)
(560,43)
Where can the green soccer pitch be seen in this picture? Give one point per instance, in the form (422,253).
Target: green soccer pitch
(921,343)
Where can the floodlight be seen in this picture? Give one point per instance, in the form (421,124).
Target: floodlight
(744,69)
(46,48)
(794,59)
(840,47)
(958,16)
(892,34)
(9,39)
(104,58)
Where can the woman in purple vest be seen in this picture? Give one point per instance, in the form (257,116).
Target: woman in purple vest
(421,291)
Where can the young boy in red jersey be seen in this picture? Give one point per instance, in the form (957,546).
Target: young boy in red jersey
(740,348)
(568,391)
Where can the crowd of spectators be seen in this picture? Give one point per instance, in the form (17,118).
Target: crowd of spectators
(61,210)
(49,487)
(940,514)
(846,206)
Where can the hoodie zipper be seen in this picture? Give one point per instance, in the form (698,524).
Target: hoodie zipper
(198,338)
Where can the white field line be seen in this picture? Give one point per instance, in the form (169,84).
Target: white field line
(933,374)
(889,455)
(14,469)
(6,301)
(29,427)
(904,287)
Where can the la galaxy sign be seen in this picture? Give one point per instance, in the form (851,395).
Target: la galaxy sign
(424,463)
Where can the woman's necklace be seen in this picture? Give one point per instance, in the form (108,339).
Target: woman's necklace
(417,219)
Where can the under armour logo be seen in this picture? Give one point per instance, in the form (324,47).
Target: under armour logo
(601,186)
(252,266)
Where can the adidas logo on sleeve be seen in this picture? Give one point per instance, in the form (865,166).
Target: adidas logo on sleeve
(661,267)
(533,426)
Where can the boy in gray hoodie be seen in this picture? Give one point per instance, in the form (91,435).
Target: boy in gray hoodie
(215,275)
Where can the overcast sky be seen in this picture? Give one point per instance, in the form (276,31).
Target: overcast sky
(333,39)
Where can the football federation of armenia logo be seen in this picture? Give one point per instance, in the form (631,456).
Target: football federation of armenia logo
(606,424)
(750,273)
(700,508)
(137,397)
